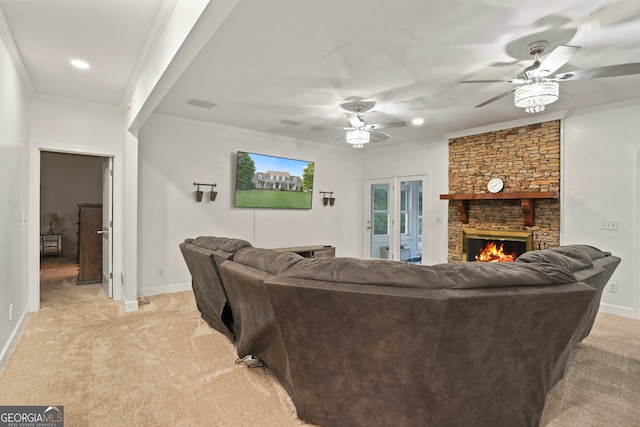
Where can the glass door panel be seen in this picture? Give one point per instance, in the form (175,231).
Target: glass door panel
(410,224)
(379,222)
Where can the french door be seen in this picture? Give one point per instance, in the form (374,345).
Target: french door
(394,218)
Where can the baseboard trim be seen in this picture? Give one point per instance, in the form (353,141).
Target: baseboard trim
(130,306)
(178,287)
(619,311)
(13,338)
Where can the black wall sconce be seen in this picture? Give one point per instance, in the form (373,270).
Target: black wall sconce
(328,200)
(212,193)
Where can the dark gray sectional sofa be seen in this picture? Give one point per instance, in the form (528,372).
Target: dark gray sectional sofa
(382,343)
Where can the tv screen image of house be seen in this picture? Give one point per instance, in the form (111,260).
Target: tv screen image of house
(264,181)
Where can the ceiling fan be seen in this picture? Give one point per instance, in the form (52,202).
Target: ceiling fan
(538,86)
(359,132)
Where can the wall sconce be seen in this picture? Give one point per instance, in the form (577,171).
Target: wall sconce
(328,200)
(212,194)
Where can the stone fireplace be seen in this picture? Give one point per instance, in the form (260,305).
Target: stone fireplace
(480,245)
(527,159)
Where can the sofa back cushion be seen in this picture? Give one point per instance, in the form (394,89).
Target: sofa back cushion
(221,245)
(442,276)
(267,260)
(573,258)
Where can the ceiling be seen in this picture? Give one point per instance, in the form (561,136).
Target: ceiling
(284,66)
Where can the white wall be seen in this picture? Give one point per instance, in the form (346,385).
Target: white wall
(429,158)
(66,126)
(14,145)
(600,181)
(175,153)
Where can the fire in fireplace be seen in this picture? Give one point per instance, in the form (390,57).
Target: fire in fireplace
(494,252)
(494,245)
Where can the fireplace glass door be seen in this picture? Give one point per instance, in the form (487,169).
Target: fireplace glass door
(480,245)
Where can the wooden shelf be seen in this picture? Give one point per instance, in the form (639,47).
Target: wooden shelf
(527,202)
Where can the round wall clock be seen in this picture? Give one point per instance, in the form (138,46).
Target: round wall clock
(495,185)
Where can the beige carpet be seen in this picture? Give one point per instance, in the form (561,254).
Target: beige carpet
(601,386)
(163,366)
(160,366)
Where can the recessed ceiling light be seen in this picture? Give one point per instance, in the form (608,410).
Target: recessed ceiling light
(79,63)
(417,121)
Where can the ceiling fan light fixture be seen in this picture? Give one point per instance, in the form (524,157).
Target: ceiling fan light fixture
(357,138)
(534,96)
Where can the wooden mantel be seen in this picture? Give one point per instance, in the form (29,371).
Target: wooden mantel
(527,201)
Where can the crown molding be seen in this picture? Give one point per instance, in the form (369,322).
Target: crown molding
(160,22)
(538,118)
(14,52)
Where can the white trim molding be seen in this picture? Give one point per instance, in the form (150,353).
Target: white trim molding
(9,41)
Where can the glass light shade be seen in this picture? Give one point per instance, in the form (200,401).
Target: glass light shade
(535,95)
(357,138)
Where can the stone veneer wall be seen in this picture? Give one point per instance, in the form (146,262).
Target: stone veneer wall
(526,158)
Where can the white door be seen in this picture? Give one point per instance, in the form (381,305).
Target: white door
(107,226)
(394,218)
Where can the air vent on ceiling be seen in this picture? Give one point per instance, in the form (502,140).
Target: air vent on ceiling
(316,127)
(290,122)
(200,103)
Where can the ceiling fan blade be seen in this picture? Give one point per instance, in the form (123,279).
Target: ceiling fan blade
(515,81)
(617,13)
(557,58)
(599,72)
(485,81)
(387,125)
(495,98)
(376,136)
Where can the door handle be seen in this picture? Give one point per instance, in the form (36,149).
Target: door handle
(102,231)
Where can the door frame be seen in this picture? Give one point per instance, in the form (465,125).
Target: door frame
(107,225)
(33,245)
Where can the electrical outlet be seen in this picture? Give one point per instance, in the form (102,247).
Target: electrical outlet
(609,224)
(160,272)
(613,287)
(11,311)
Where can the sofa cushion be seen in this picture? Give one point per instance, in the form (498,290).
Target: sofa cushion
(572,257)
(266,260)
(594,253)
(467,275)
(224,244)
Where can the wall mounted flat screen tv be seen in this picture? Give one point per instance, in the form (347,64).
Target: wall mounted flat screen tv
(264,181)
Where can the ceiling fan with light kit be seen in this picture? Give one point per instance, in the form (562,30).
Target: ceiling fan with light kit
(538,86)
(359,132)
